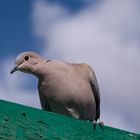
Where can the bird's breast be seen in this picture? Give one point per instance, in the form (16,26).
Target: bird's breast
(68,94)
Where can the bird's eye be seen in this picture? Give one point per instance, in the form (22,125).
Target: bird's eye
(26,58)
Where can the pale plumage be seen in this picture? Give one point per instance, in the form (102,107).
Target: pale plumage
(69,89)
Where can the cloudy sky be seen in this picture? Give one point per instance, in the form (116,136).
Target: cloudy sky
(103,33)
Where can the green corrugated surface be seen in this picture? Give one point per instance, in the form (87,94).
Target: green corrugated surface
(18,122)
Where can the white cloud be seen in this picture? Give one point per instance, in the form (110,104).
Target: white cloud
(107,37)
(44,16)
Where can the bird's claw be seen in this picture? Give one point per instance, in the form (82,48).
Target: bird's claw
(100,123)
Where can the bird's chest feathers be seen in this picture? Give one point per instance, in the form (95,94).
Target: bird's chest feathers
(54,87)
(62,86)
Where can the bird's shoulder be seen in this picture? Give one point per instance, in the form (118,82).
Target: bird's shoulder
(84,68)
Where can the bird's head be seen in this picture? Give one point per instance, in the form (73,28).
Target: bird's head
(26,61)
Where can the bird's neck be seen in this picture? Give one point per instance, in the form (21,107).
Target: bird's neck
(39,70)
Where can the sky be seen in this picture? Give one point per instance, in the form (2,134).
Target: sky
(103,33)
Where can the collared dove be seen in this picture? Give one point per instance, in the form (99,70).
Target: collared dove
(65,88)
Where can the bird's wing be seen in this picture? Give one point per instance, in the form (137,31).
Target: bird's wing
(96,93)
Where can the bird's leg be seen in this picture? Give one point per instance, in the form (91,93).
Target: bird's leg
(100,123)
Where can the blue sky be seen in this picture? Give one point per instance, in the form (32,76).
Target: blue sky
(15,27)
(103,33)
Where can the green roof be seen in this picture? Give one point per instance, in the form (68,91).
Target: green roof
(18,122)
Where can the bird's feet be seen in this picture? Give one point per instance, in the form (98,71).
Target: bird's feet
(100,123)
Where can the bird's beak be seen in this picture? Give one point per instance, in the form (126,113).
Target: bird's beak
(14,69)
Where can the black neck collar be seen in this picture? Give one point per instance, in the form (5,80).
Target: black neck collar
(47,60)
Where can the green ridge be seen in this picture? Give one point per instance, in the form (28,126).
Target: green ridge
(18,122)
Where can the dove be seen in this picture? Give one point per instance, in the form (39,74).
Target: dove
(66,88)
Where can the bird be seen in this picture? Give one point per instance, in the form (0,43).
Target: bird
(66,88)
